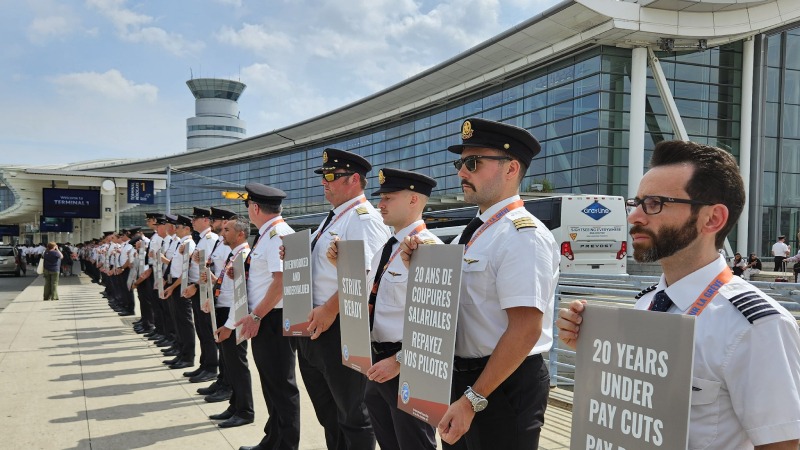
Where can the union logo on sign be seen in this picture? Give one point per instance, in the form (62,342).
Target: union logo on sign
(346,353)
(596,211)
(405,393)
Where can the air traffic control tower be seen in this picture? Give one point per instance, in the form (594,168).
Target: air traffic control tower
(216,109)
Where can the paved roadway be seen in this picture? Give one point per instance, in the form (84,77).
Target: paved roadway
(11,286)
(73,375)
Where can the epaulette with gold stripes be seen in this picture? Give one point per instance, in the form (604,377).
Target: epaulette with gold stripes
(361,210)
(524,222)
(430,241)
(273,233)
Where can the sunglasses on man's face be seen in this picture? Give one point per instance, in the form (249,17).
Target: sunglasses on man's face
(471,162)
(330,177)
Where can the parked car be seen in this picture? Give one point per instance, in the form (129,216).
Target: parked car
(8,260)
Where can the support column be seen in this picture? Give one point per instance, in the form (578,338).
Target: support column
(745,142)
(636,139)
(108,203)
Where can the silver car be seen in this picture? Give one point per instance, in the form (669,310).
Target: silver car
(8,260)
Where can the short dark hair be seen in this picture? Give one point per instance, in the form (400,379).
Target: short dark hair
(716,178)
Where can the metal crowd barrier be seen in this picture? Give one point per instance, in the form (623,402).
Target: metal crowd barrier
(620,290)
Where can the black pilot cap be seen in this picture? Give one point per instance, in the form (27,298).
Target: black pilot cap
(393,180)
(266,195)
(482,133)
(222,214)
(183,220)
(173,219)
(200,213)
(333,159)
(153,215)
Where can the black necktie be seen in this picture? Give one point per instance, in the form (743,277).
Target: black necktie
(661,302)
(255,241)
(321,229)
(387,252)
(473,225)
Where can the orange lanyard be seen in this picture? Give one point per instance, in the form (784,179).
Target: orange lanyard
(339,216)
(494,219)
(271,226)
(710,292)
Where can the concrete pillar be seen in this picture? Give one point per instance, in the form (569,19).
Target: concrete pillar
(108,204)
(745,141)
(636,139)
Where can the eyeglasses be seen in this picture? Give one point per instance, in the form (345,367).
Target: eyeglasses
(330,177)
(471,162)
(652,204)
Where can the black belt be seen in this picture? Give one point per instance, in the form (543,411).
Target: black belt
(472,364)
(383,350)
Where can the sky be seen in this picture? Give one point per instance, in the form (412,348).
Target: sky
(96,79)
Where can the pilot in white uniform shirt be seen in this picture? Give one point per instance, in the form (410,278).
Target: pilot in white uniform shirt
(498,273)
(265,260)
(353,220)
(390,301)
(743,392)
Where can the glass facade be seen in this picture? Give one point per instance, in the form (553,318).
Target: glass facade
(780,140)
(578,107)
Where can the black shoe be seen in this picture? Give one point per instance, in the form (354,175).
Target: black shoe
(168,349)
(156,337)
(193,372)
(234,421)
(219,396)
(224,415)
(172,361)
(182,365)
(145,331)
(204,375)
(151,333)
(254,447)
(164,343)
(210,389)
(172,352)
(126,313)
(137,322)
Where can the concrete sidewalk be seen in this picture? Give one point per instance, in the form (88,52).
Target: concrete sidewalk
(74,375)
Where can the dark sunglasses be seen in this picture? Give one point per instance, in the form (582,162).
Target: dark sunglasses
(329,177)
(471,162)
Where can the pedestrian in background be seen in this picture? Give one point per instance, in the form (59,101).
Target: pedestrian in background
(52,262)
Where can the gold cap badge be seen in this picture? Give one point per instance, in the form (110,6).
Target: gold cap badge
(381,178)
(324,157)
(466,130)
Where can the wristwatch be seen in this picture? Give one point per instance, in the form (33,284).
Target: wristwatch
(399,357)
(479,402)
(255,317)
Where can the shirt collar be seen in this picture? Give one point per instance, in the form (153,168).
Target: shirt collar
(263,228)
(205,232)
(347,204)
(685,291)
(239,248)
(400,235)
(497,207)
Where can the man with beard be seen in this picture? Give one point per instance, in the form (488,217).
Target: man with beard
(500,382)
(687,203)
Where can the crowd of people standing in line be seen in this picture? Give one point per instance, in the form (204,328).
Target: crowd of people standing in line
(686,205)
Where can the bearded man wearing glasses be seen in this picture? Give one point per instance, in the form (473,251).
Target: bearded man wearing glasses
(746,367)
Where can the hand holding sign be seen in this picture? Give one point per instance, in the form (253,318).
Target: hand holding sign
(321,318)
(333,251)
(568,323)
(407,247)
(384,370)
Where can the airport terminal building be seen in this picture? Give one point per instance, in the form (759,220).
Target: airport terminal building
(598,82)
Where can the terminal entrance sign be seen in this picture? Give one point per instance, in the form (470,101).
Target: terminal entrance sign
(141,191)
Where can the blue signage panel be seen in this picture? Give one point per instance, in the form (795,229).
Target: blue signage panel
(55,224)
(71,203)
(141,191)
(596,211)
(9,230)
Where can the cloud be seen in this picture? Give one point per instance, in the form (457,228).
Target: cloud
(51,20)
(234,3)
(132,27)
(110,85)
(255,38)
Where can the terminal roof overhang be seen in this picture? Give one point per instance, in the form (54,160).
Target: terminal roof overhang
(27,183)
(570,25)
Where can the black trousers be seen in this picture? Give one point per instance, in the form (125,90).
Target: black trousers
(515,414)
(184,327)
(337,392)
(275,359)
(395,429)
(209,356)
(127,296)
(237,372)
(161,313)
(779,264)
(144,292)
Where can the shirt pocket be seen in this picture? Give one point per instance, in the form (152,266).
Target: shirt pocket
(704,412)
(475,279)
(396,286)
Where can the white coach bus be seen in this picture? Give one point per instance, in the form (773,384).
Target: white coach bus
(591,230)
